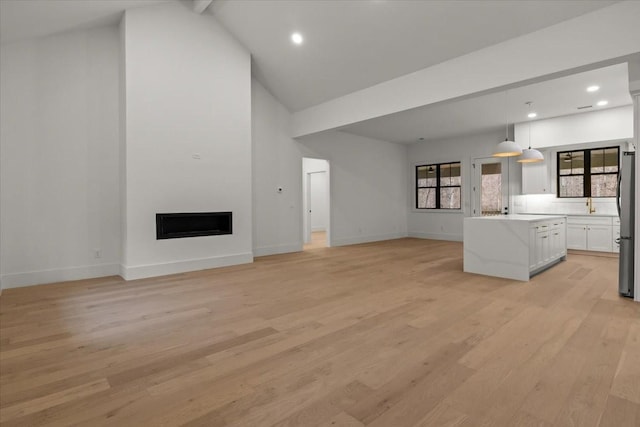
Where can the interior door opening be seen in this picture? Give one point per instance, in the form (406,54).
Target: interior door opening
(316,203)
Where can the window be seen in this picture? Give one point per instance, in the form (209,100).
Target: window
(438,186)
(588,173)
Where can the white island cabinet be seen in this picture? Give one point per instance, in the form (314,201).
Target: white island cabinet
(514,246)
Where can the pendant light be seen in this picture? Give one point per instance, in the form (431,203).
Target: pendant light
(507,148)
(530,155)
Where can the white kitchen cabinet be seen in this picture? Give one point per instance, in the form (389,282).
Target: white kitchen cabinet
(577,236)
(590,234)
(599,238)
(558,239)
(547,240)
(615,243)
(542,249)
(535,177)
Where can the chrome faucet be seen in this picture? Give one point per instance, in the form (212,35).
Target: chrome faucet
(590,205)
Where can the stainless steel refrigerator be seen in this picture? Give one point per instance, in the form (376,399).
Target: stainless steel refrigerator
(626,211)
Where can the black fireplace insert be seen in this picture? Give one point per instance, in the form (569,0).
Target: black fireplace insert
(192,224)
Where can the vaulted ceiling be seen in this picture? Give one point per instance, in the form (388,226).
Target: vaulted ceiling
(351,45)
(22,19)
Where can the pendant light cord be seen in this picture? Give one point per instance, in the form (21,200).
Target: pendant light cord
(529,104)
(506,115)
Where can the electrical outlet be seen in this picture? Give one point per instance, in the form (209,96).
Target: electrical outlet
(97,253)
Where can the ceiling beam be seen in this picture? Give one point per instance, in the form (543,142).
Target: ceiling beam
(200,6)
(597,37)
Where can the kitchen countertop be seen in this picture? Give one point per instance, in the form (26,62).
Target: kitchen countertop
(516,217)
(572,214)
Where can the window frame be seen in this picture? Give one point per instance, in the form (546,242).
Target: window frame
(437,187)
(586,181)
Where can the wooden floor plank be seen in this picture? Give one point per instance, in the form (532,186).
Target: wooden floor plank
(380,334)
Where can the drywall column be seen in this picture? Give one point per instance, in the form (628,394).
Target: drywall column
(187,138)
(277,215)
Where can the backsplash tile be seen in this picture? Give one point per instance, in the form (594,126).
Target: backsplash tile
(550,204)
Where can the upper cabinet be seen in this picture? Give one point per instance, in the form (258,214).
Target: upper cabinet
(536,176)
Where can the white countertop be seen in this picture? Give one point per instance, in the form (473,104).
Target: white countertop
(530,218)
(573,214)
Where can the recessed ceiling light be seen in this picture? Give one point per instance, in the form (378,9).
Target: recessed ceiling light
(532,115)
(593,88)
(297,38)
(602,103)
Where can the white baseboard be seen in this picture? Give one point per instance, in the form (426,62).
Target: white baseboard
(437,236)
(318,229)
(134,272)
(30,278)
(278,249)
(365,239)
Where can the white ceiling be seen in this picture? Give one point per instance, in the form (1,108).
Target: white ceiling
(550,98)
(20,19)
(351,45)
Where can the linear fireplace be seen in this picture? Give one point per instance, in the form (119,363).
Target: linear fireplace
(192,224)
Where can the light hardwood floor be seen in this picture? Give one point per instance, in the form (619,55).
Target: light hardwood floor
(386,334)
(318,240)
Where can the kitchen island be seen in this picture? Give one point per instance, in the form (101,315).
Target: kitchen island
(514,246)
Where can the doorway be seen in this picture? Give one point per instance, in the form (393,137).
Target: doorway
(316,203)
(490,186)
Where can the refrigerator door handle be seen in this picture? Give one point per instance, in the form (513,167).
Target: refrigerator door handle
(618,192)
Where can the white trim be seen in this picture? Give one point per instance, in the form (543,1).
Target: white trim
(439,211)
(366,239)
(31,278)
(277,249)
(436,236)
(163,269)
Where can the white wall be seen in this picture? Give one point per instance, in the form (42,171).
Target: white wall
(310,165)
(367,186)
(188,94)
(603,128)
(603,125)
(277,217)
(59,195)
(448,225)
(367,182)
(550,203)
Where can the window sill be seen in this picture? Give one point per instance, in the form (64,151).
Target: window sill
(447,211)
